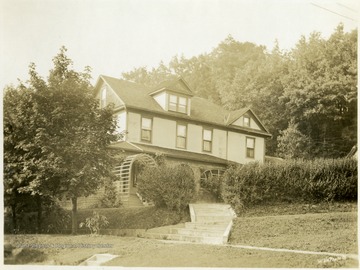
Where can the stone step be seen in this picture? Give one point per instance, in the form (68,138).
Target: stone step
(201,225)
(212,218)
(186,238)
(198,232)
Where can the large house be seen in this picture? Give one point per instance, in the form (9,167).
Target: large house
(169,120)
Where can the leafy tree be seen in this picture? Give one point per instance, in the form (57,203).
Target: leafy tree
(292,143)
(321,92)
(63,148)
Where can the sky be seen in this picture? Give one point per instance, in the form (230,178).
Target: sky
(113,37)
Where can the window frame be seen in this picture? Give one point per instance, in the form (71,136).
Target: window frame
(210,142)
(146,129)
(179,136)
(247,149)
(246,125)
(177,103)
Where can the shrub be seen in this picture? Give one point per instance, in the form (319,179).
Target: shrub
(56,219)
(213,183)
(110,197)
(294,180)
(167,186)
(95,223)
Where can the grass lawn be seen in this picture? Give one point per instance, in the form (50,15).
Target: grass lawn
(326,232)
(333,230)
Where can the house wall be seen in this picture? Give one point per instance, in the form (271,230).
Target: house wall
(194,138)
(237,148)
(161,100)
(226,144)
(219,143)
(164,132)
(121,122)
(133,127)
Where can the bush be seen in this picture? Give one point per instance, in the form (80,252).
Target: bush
(213,183)
(56,219)
(95,223)
(110,197)
(291,181)
(166,186)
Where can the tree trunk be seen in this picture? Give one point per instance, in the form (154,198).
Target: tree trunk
(39,214)
(14,219)
(74,215)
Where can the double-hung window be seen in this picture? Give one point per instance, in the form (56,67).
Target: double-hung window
(250,147)
(207,140)
(146,128)
(181,132)
(178,104)
(182,106)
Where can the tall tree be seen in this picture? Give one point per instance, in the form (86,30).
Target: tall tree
(321,92)
(66,137)
(292,143)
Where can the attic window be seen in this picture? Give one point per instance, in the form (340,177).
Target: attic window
(178,104)
(103,98)
(246,121)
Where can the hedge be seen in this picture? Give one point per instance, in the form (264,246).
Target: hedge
(290,181)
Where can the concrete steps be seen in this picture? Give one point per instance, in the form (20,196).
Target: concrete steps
(210,224)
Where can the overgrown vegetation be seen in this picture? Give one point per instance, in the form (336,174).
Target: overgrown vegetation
(167,186)
(321,180)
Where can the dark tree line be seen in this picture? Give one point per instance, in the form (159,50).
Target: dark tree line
(306,97)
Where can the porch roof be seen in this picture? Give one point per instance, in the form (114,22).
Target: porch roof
(172,153)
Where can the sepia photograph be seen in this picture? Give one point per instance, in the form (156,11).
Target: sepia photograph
(179,133)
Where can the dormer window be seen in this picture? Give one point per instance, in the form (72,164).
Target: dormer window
(178,103)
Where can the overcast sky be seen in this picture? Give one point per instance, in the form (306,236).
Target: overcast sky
(115,36)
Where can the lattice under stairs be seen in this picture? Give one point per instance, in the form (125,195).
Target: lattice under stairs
(123,185)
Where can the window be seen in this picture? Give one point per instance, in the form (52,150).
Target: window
(173,103)
(246,121)
(177,104)
(103,98)
(146,126)
(182,107)
(181,136)
(207,140)
(250,147)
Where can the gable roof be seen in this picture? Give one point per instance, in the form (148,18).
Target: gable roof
(177,85)
(235,115)
(137,96)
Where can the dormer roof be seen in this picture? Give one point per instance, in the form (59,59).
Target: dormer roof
(177,85)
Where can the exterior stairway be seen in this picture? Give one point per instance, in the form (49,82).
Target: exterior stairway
(210,224)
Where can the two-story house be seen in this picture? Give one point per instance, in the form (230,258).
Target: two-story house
(170,120)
